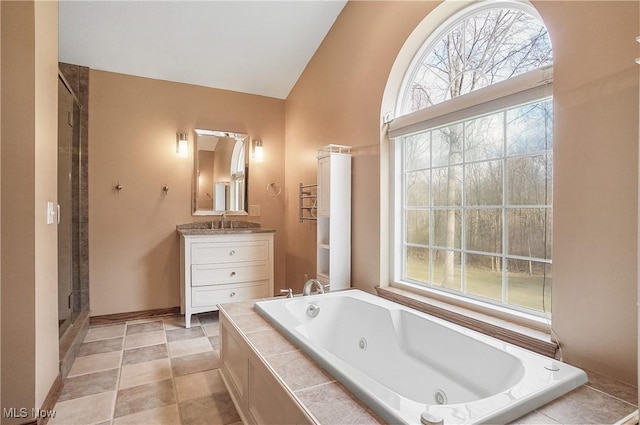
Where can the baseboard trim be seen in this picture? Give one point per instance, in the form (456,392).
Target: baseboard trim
(71,341)
(134,315)
(49,402)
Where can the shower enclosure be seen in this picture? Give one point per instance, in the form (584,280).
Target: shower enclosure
(68,206)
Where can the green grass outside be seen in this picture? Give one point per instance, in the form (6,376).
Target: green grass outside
(523,290)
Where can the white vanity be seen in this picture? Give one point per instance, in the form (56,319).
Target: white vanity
(223,265)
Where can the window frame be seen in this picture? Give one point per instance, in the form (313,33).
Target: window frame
(528,87)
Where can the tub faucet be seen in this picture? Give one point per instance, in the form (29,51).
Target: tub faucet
(287,291)
(306,290)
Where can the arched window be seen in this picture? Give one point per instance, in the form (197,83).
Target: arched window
(483,45)
(473,159)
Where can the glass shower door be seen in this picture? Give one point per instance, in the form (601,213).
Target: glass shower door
(65,206)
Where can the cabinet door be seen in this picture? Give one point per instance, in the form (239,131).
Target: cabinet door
(209,296)
(235,364)
(230,251)
(268,402)
(324,186)
(226,273)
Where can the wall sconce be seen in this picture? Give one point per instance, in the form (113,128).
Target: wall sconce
(182,145)
(258,151)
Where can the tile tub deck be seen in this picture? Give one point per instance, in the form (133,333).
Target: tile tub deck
(600,401)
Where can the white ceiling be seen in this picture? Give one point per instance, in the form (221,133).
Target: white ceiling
(257,47)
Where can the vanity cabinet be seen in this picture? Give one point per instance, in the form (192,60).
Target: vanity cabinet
(222,268)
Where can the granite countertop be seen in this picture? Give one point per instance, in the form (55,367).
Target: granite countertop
(232,227)
(601,400)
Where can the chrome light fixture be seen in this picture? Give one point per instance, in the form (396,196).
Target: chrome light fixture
(258,151)
(182,145)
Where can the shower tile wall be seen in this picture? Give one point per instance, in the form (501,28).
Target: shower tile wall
(78,79)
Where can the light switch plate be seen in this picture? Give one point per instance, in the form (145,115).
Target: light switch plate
(50,212)
(254,210)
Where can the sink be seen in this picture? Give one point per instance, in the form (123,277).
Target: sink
(216,225)
(233,224)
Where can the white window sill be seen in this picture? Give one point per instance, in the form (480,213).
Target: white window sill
(520,329)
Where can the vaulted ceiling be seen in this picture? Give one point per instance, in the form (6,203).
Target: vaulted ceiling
(257,47)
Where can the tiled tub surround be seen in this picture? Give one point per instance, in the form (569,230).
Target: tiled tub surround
(157,372)
(147,372)
(442,371)
(324,400)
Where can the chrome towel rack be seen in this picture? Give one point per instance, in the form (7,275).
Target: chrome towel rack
(308,194)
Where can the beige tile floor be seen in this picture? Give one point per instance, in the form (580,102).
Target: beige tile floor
(148,372)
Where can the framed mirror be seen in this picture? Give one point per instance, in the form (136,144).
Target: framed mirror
(221,167)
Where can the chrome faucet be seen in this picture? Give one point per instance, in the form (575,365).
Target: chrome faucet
(223,217)
(288,292)
(306,290)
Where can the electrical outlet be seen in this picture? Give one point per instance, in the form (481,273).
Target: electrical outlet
(254,210)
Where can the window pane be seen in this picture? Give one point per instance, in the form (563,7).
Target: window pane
(530,232)
(529,180)
(453,178)
(529,284)
(484,137)
(483,229)
(483,276)
(447,145)
(417,150)
(478,50)
(417,267)
(417,189)
(529,128)
(446,228)
(417,222)
(483,183)
(446,186)
(447,269)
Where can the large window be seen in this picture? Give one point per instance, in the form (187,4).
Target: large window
(474,160)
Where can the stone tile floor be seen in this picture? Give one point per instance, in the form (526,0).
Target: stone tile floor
(148,372)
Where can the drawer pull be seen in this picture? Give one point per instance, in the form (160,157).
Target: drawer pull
(233,294)
(232,253)
(232,274)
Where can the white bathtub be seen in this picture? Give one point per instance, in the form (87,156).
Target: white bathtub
(401,362)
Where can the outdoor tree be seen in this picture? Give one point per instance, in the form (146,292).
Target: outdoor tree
(479,50)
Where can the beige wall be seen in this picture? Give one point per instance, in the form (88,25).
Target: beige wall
(29,262)
(338,100)
(134,249)
(595,182)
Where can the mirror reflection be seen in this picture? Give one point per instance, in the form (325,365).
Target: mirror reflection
(220,172)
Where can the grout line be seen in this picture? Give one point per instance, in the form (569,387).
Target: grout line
(630,419)
(610,395)
(115,399)
(334,381)
(173,379)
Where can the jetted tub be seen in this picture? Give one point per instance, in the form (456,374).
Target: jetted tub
(412,368)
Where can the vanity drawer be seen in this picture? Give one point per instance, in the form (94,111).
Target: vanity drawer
(222,252)
(204,296)
(223,273)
